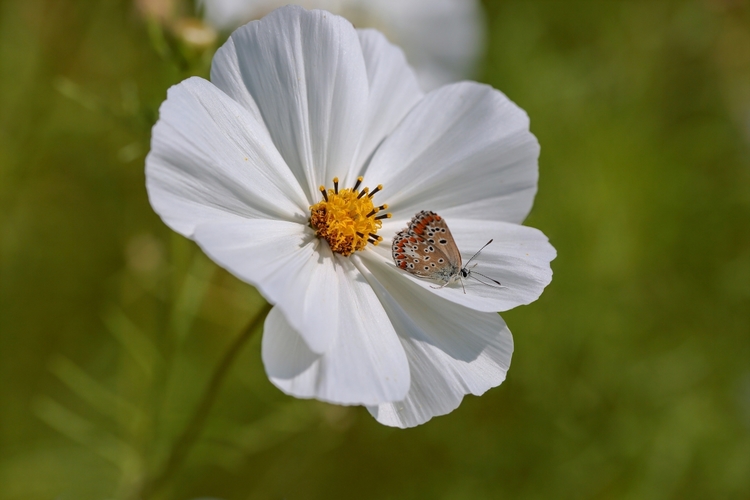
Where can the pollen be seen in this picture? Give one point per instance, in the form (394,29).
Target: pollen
(347,218)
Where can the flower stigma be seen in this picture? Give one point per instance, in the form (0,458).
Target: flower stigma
(347,218)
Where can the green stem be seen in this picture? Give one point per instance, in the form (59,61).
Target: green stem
(186,440)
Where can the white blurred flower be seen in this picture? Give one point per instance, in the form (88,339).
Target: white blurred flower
(195,34)
(297,100)
(161,10)
(443,39)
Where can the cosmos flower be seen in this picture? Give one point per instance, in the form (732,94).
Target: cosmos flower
(442,38)
(300,100)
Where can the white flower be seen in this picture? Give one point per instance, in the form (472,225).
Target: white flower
(442,39)
(297,99)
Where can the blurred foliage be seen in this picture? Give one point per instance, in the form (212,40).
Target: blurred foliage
(631,377)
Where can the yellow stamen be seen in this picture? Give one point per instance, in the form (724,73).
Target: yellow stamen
(380,186)
(344,218)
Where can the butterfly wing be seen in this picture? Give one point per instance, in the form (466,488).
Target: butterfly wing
(434,230)
(426,249)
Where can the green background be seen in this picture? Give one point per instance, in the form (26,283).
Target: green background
(631,375)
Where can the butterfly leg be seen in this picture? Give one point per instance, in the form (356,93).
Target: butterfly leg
(440,286)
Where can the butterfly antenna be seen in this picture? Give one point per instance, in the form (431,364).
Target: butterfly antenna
(475,255)
(499,285)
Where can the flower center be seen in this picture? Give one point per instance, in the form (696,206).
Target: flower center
(347,219)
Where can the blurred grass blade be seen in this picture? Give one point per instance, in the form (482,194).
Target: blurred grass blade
(132,338)
(236,443)
(191,295)
(84,432)
(78,94)
(93,392)
(158,39)
(131,102)
(276,427)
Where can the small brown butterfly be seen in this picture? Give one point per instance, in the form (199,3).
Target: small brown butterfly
(427,250)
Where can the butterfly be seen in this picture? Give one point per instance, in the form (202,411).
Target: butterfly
(427,250)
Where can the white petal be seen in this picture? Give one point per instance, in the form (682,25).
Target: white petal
(226,75)
(452,350)
(209,157)
(519,258)
(393,92)
(306,74)
(464,151)
(442,38)
(286,262)
(365,365)
(230,14)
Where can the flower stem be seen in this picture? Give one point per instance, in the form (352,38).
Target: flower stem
(186,440)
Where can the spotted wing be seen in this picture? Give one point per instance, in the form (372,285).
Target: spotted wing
(425,258)
(417,256)
(433,229)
